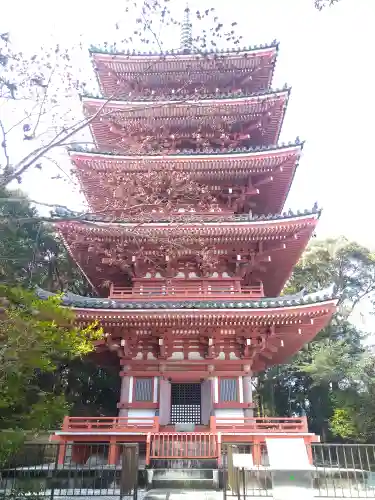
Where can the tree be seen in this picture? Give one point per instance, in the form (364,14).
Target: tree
(31,252)
(39,85)
(353,416)
(36,338)
(347,265)
(320,4)
(318,378)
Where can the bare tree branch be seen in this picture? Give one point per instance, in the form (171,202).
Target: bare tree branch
(24,165)
(4,146)
(41,113)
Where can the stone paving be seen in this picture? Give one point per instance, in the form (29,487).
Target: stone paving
(170,494)
(160,494)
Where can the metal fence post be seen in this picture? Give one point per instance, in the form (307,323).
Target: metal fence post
(56,465)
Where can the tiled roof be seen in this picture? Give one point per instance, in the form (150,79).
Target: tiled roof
(78,301)
(195,97)
(191,152)
(112,50)
(187,217)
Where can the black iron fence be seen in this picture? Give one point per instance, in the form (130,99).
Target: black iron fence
(34,471)
(337,471)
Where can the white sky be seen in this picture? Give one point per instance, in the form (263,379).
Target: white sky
(327,58)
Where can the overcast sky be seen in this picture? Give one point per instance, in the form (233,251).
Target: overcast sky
(328,59)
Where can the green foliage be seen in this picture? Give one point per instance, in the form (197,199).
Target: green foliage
(347,265)
(357,398)
(342,425)
(331,379)
(47,367)
(10,442)
(36,337)
(31,253)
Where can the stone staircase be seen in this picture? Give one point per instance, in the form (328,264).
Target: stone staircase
(183,479)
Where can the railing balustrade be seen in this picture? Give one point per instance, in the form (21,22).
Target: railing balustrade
(199,289)
(108,424)
(219,424)
(262,424)
(181,446)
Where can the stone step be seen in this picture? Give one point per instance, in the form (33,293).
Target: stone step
(184,464)
(177,479)
(186,484)
(183,473)
(170,494)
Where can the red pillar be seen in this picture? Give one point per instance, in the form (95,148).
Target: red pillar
(80,453)
(257,453)
(148,448)
(309,452)
(61,453)
(114,452)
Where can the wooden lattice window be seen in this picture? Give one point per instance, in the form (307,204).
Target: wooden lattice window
(228,390)
(143,390)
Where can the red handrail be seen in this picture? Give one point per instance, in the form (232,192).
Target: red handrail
(146,291)
(180,446)
(107,424)
(217,424)
(262,424)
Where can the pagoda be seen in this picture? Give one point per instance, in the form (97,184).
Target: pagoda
(188,250)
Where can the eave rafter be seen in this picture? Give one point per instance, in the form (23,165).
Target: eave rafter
(257,339)
(119,73)
(139,126)
(282,244)
(259,180)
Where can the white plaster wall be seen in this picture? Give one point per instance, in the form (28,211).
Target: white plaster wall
(248,394)
(206,401)
(165,401)
(124,395)
(124,392)
(228,414)
(135,414)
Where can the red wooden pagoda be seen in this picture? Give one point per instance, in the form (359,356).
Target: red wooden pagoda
(188,292)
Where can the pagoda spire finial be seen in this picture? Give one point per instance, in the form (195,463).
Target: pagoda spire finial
(186,32)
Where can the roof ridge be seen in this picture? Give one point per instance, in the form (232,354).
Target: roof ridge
(111,50)
(187,217)
(206,97)
(72,300)
(191,152)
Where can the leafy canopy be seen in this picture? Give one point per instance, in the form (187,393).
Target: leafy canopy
(332,379)
(35,337)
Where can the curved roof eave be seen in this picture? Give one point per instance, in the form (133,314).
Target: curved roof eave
(266,305)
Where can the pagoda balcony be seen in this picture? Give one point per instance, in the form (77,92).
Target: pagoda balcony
(181,289)
(110,424)
(263,425)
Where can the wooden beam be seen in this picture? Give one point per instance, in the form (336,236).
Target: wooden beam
(185,375)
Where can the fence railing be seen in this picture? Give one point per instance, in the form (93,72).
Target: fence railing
(337,471)
(262,424)
(200,289)
(182,446)
(33,471)
(109,424)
